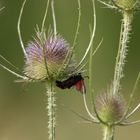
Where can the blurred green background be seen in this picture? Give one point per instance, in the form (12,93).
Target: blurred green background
(22,106)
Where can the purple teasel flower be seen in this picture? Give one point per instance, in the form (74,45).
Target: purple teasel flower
(50,57)
(46,59)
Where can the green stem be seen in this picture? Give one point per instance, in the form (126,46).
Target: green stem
(122,51)
(54,19)
(108,132)
(18,28)
(51,107)
(45,15)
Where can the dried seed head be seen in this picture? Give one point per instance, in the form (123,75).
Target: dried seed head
(127,4)
(45,58)
(110,108)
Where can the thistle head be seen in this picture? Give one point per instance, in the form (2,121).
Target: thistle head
(127,5)
(110,108)
(46,57)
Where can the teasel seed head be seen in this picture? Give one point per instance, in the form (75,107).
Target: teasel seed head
(127,5)
(46,57)
(110,108)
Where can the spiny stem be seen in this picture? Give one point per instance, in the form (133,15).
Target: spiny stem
(108,132)
(51,107)
(122,51)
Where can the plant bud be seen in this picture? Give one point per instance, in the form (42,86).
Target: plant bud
(110,108)
(127,4)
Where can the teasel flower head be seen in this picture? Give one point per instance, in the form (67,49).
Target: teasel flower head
(110,108)
(122,5)
(46,57)
(127,5)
